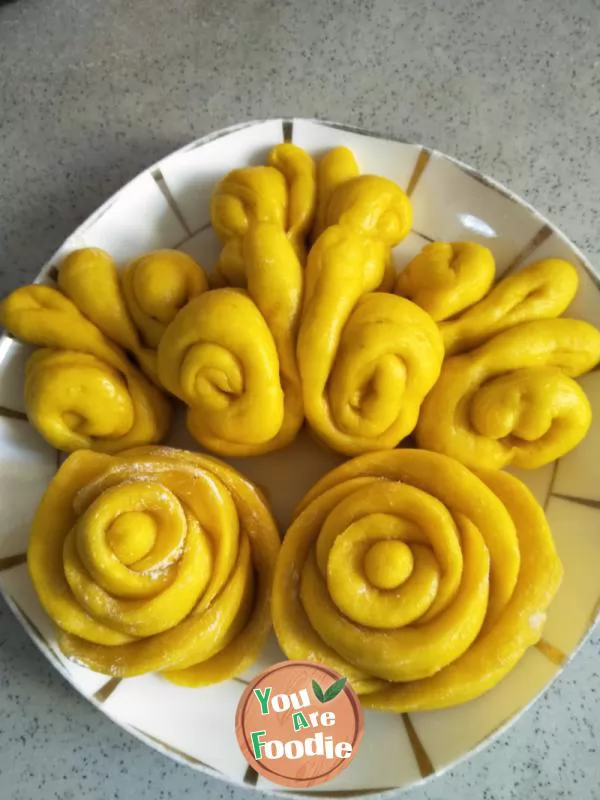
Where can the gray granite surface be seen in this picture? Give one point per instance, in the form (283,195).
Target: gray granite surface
(91,92)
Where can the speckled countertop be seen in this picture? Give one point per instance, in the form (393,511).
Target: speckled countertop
(90,93)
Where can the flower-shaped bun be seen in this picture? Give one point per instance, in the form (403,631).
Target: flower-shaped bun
(420,581)
(81,391)
(155,560)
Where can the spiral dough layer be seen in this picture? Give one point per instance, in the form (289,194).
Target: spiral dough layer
(419,580)
(513,400)
(81,391)
(229,354)
(155,560)
(366,358)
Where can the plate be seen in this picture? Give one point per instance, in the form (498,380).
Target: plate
(167,206)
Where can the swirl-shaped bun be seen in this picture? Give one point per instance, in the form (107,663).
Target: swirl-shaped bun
(135,308)
(155,560)
(420,581)
(542,290)
(89,277)
(246,196)
(367,359)
(157,286)
(373,206)
(282,194)
(445,278)
(80,390)
(230,354)
(513,400)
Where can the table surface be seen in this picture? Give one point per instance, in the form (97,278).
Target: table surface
(91,93)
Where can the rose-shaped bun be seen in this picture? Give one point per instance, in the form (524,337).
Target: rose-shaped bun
(422,582)
(155,560)
(81,391)
(230,353)
(513,400)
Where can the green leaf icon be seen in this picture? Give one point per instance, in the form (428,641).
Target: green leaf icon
(318,692)
(334,690)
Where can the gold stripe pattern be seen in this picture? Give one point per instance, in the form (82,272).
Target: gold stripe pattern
(34,628)
(422,235)
(581,501)
(10,413)
(200,230)
(104,692)
(166,193)
(422,161)
(288,130)
(423,761)
(552,653)
(251,776)
(8,562)
(540,237)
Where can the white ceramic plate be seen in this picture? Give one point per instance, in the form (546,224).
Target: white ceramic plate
(168,206)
